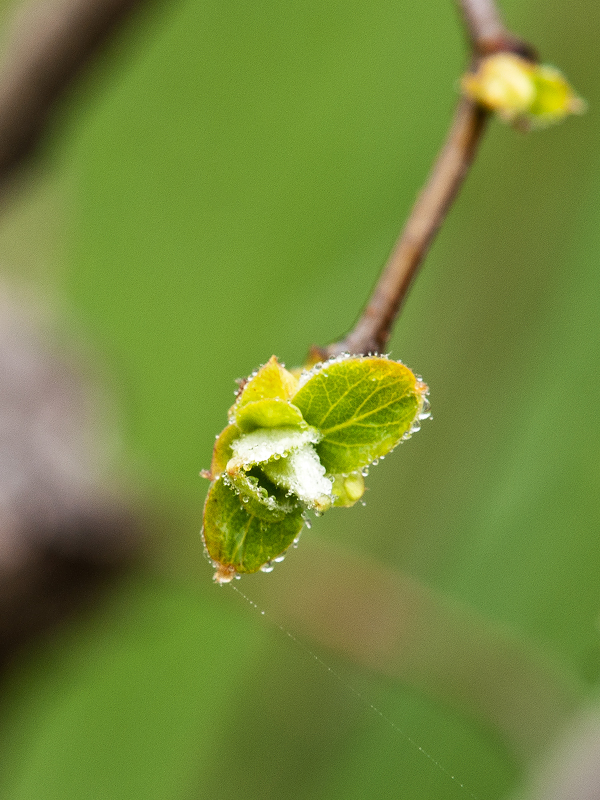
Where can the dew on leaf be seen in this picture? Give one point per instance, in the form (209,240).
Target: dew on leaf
(425,411)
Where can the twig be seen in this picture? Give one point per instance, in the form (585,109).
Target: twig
(49,44)
(487,34)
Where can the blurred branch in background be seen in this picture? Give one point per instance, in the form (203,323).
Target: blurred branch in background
(61,534)
(571,771)
(49,44)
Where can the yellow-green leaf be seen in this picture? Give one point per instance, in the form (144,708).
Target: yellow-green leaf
(268,413)
(222,452)
(362,408)
(271,381)
(238,541)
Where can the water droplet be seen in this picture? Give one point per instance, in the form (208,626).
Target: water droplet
(375,462)
(279,559)
(363,503)
(425,411)
(381,458)
(308,523)
(364,472)
(268,567)
(244,499)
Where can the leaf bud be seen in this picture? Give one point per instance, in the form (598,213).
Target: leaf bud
(522,93)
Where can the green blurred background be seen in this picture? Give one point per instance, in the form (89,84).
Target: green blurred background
(225,184)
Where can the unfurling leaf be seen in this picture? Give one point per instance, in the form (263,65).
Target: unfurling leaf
(239,541)
(295,445)
(362,407)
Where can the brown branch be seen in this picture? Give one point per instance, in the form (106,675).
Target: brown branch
(48,45)
(373,329)
(487,34)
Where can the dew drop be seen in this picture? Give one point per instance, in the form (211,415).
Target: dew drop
(308,523)
(364,472)
(279,559)
(268,567)
(375,462)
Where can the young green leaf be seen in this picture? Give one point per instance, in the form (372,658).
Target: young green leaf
(296,445)
(362,408)
(268,413)
(303,475)
(238,541)
(222,452)
(267,444)
(271,381)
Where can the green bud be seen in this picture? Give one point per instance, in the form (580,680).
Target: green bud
(301,444)
(348,489)
(525,94)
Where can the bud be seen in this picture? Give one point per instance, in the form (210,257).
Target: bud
(520,92)
(300,444)
(348,489)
